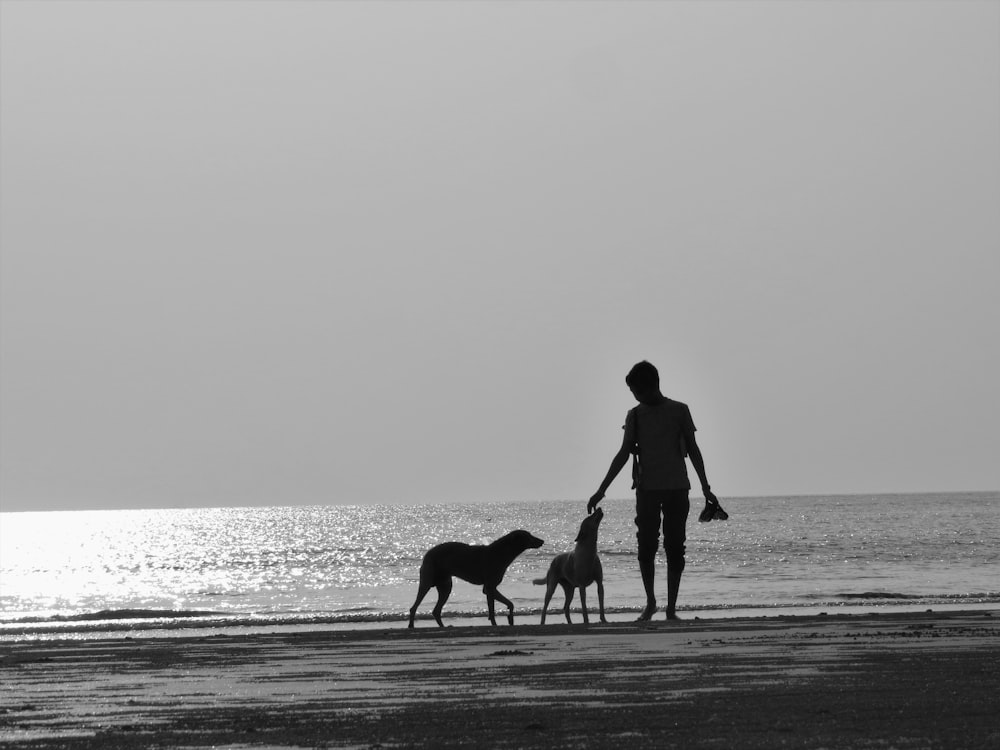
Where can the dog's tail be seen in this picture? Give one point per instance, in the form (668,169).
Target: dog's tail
(538,581)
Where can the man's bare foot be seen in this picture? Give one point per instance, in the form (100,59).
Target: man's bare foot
(647,613)
(671,615)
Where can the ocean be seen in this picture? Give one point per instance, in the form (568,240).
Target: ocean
(81,574)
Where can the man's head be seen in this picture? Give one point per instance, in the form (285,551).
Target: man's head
(643,377)
(644,382)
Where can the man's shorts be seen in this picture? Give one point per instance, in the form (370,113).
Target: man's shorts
(669,508)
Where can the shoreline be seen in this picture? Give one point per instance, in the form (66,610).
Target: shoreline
(900,679)
(199,624)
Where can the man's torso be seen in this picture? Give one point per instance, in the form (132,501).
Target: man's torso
(662,432)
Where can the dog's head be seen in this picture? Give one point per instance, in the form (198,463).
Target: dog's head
(588,529)
(525,539)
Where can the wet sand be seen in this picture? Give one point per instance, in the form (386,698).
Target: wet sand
(903,680)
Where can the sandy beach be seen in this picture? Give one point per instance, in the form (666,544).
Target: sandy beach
(880,680)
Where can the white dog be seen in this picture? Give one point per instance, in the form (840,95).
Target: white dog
(577,569)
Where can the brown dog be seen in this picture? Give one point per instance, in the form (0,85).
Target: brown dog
(577,569)
(475,563)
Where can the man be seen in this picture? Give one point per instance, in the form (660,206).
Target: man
(660,434)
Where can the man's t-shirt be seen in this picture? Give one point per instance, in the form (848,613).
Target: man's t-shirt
(662,432)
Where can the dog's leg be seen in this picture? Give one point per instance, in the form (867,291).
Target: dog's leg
(492,594)
(583,604)
(490,605)
(422,589)
(550,587)
(551,581)
(444,591)
(599,578)
(568,588)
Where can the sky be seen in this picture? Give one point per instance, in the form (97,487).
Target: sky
(283,253)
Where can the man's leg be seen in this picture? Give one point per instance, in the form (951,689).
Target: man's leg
(673,588)
(647,569)
(647,523)
(675,514)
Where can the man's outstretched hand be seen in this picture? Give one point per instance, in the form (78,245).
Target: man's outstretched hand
(592,503)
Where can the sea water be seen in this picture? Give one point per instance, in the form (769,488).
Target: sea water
(70,573)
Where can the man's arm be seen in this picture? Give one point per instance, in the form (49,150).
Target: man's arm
(698,462)
(617,464)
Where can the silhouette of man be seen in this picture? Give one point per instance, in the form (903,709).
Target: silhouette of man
(659,433)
